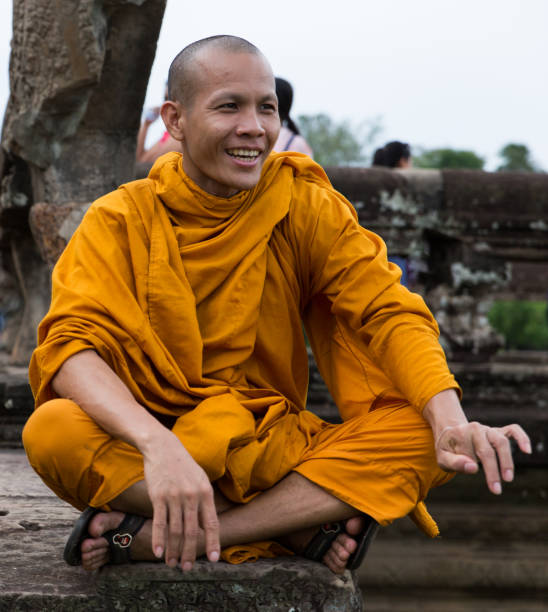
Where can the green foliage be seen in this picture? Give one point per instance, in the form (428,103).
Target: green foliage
(338,143)
(448,158)
(516,158)
(524,324)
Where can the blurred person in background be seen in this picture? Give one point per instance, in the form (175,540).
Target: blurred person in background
(290,138)
(166,143)
(394,154)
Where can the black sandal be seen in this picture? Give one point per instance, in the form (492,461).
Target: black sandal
(321,542)
(119,539)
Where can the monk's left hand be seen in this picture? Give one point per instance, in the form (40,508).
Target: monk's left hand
(461,448)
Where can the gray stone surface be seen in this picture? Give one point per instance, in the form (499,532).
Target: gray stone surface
(34,525)
(269,586)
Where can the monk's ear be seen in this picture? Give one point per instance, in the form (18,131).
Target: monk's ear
(172,116)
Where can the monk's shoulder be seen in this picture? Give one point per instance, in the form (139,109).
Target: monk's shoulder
(317,202)
(129,199)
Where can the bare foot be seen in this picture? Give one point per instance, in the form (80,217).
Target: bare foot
(344,545)
(95,551)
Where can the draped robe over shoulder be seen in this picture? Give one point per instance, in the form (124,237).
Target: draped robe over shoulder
(197,303)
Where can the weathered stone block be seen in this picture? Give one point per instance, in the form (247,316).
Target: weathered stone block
(268,586)
(34,525)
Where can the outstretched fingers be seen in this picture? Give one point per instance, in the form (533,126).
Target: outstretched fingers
(518,434)
(491,447)
(495,453)
(460,449)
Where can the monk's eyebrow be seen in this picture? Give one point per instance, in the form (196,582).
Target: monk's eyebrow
(270,98)
(227,95)
(237,97)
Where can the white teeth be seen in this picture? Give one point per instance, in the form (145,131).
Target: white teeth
(243,152)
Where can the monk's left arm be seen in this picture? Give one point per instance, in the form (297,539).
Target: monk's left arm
(348,264)
(461,445)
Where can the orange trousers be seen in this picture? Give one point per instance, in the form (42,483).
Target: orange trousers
(382,463)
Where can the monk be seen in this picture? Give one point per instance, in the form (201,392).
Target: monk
(171,372)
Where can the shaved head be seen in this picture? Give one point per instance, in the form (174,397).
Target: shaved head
(182,79)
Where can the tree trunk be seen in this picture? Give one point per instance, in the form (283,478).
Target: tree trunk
(78,77)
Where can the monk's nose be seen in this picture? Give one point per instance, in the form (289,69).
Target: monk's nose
(250,124)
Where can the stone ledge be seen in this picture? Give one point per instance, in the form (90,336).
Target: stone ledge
(34,525)
(269,586)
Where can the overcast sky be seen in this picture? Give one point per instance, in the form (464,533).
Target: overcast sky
(467,74)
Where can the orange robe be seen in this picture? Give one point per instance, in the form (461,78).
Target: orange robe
(197,303)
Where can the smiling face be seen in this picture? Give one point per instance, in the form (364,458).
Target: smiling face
(230,124)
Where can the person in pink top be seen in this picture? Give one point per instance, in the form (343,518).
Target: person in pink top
(290,138)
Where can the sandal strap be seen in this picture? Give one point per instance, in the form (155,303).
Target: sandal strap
(364,539)
(120,539)
(321,542)
(72,553)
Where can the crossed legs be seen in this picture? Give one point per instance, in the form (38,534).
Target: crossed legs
(291,512)
(381,464)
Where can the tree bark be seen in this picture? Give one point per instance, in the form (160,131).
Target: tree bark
(78,77)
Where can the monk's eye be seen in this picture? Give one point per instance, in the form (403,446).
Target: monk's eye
(228,106)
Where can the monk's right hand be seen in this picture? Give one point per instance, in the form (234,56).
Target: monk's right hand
(182,500)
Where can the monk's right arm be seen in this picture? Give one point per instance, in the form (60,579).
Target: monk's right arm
(179,493)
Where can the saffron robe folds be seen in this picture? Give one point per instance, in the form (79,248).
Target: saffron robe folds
(197,303)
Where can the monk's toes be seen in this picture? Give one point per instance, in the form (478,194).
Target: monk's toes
(94,564)
(334,562)
(338,554)
(354,525)
(90,545)
(95,559)
(92,551)
(343,546)
(104,521)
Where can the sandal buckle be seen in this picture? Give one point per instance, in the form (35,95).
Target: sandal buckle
(123,540)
